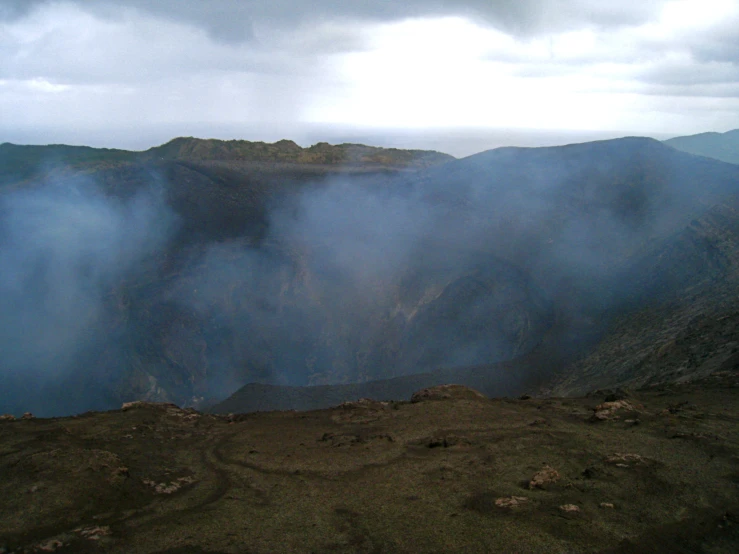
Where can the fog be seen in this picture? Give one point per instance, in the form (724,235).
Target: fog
(63,247)
(151,294)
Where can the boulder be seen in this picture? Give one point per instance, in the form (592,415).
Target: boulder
(511,501)
(543,478)
(569,508)
(609,410)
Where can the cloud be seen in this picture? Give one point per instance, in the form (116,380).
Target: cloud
(531,63)
(235,20)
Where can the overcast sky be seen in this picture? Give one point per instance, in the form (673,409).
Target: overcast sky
(100,71)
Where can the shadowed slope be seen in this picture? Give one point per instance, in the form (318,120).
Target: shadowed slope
(289,274)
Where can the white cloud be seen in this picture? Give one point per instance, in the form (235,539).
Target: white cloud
(661,66)
(453,72)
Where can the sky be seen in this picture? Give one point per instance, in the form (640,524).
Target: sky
(133,73)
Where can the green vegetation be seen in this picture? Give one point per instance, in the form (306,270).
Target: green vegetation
(21,162)
(189,148)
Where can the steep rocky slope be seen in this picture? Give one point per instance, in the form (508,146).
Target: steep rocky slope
(213,274)
(631,242)
(684,315)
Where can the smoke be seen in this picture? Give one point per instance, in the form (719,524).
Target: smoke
(353,282)
(302,306)
(63,247)
(471,263)
(283,277)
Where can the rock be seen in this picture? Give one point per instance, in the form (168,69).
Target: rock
(28,415)
(544,477)
(93,533)
(608,410)
(615,405)
(363,410)
(7,417)
(623,460)
(447,392)
(364,403)
(511,501)
(169,488)
(569,508)
(607,505)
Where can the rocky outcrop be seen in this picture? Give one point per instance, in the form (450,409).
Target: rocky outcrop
(544,478)
(609,410)
(447,392)
(511,501)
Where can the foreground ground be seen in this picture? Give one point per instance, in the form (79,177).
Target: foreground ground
(650,471)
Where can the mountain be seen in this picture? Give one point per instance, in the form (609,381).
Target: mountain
(604,272)
(19,162)
(192,149)
(685,323)
(722,146)
(616,236)
(184,280)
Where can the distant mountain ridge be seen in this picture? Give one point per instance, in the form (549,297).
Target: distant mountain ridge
(19,162)
(288,151)
(721,146)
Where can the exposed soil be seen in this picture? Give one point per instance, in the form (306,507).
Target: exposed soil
(452,471)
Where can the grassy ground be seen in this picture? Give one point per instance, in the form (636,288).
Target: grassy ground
(658,472)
